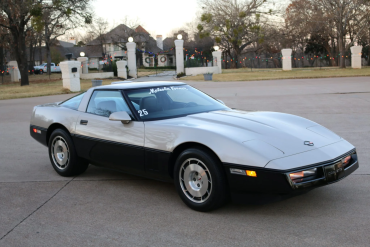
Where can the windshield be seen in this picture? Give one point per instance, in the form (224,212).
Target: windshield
(171,101)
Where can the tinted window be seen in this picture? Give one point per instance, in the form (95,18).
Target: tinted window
(171,101)
(73,103)
(104,103)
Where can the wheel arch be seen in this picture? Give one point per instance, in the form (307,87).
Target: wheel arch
(53,127)
(183,146)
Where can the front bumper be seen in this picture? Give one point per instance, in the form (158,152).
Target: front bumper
(277,181)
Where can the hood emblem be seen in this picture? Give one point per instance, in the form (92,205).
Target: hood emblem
(308,143)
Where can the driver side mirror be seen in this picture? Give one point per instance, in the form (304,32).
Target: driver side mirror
(120,116)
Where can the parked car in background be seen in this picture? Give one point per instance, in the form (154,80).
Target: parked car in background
(53,68)
(40,68)
(43,68)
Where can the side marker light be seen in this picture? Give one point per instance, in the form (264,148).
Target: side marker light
(251,173)
(37,131)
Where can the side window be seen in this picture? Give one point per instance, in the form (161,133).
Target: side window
(73,103)
(104,103)
(53,64)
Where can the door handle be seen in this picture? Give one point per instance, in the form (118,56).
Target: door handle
(84,122)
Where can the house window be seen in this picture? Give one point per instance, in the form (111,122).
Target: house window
(170,60)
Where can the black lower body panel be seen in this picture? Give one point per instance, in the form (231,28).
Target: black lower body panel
(279,182)
(135,160)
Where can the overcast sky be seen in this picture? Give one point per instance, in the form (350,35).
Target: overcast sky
(157,16)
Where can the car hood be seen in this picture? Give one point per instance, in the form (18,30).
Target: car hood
(285,132)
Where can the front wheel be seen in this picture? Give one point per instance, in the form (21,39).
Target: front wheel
(63,155)
(199,180)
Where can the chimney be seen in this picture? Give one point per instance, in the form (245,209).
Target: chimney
(159,42)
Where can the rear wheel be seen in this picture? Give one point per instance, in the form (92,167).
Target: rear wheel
(200,181)
(63,155)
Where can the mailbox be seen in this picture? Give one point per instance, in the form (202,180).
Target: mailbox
(74,70)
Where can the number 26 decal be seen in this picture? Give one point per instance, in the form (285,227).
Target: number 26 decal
(142,112)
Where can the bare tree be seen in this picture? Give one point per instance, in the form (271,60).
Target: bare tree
(61,17)
(234,24)
(98,29)
(334,20)
(15,15)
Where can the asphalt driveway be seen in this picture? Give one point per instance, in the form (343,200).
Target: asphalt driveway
(107,208)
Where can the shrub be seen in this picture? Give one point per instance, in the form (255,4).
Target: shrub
(180,75)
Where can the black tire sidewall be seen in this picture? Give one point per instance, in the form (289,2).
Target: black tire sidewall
(218,195)
(72,167)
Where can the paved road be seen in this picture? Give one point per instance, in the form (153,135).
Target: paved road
(106,208)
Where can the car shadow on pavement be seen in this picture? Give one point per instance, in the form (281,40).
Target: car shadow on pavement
(262,198)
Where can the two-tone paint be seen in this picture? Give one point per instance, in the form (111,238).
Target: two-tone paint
(271,143)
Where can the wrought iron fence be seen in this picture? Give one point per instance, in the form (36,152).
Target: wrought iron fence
(199,61)
(299,60)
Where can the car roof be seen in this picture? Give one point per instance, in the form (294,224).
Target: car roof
(133,85)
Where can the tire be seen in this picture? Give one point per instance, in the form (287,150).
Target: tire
(200,180)
(63,155)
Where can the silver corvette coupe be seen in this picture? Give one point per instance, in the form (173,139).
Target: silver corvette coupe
(174,132)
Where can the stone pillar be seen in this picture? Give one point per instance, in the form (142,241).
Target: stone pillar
(217,59)
(356,57)
(179,43)
(13,69)
(121,69)
(85,67)
(71,80)
(287,59)
(131,59)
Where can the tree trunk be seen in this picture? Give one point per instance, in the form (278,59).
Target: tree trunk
(47,43)
(342,51)
(368,53)
(19,38)
(1,59)
(225,56)
(48,55)
(2,63)
(233,62)
(31,59)
(40,51)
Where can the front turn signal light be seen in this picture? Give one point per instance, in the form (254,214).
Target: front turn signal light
(251,173)
(346,160)
(296,175)
(299,176)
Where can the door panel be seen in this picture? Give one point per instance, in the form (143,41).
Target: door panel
(110,143)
